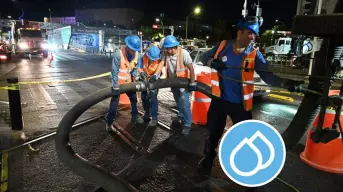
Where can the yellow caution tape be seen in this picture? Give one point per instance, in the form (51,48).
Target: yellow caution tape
(4,172)
(9,88)
(16,86)
(286,92)
(290,99)
(65,81)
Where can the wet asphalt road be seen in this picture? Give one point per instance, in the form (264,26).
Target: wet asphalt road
(170,165)
(172,160)
(49,102)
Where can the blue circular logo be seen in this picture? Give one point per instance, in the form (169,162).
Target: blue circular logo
(252,153)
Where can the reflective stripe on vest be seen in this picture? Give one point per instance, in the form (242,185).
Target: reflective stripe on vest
(125,67)
(152,68)
(181,69)
(247,77)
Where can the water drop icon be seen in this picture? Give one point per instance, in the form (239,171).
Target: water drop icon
(259,164)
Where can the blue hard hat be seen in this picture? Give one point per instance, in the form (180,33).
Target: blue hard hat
(170,41)
(133,42)
(153,53)
(251,23)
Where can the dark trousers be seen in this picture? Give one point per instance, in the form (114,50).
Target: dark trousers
(150,105)
(112,111)
(216,121)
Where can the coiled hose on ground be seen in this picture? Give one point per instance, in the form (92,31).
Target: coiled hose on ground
(81,166)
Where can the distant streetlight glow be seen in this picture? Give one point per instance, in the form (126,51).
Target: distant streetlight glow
(197,10)
(157,20)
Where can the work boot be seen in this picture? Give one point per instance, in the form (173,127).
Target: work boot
(176,122)
(185,130)
(138,120)
(146,117)
(109,128)
(153,123)
(205,167)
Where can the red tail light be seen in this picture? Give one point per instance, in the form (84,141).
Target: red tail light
(30,43)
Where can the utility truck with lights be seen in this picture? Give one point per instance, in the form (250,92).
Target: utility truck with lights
(29,40)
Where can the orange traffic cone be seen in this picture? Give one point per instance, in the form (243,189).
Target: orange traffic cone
(124,99)
(200,102)
(325,156)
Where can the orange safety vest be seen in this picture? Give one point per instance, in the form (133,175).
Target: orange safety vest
(247,76)
(181,69)
(125,68)
(149,70)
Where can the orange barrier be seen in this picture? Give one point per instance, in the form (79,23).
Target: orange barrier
(326,157)
(200,102)
(124,99)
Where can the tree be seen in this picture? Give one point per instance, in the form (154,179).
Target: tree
(149,32)
(267,36)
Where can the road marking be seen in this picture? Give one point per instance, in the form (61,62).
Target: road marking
(285,98)
(41,98)
(68,93)
(92,89)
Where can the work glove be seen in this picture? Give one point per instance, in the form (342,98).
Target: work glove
(153,78)
(143,76)
(292,85)
(218,64)
(192,87)
(115,90)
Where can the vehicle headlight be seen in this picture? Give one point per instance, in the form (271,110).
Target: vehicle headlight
(23,45)
(52,46)
(45,45)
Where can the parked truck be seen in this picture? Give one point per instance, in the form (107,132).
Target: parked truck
(28,39)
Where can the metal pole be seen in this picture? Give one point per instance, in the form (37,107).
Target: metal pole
(15,104)
(172,30)
(314,47)
(245,11)
(50,27)
(162,28)
(186,26)
(141,33)
(299,7)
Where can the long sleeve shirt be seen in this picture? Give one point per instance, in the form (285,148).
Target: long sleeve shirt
(116,65)
(231,90)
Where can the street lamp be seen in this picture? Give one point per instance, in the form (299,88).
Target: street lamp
(158,20)
(196,11)
(51,29)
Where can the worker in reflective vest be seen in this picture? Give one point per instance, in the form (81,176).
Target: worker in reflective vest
(124,70)
(178,63)
(147,68)
(233,63)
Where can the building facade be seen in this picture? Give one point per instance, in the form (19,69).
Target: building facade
(127,18)
(63,20)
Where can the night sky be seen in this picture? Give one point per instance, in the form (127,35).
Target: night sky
(212,10)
